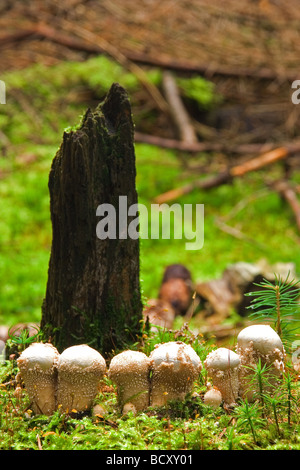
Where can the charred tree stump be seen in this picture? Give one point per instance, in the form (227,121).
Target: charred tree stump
(93,290)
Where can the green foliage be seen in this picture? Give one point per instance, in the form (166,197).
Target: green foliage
(202,91)
(162,335)
(277,303)
(248,418)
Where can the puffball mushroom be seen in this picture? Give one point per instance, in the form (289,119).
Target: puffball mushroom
(37,365)
(259,342)
(175,366)
(129,370)
(223,368)
(80,368)
(213,397)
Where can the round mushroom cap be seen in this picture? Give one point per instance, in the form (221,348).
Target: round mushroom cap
(128,362)
(263,338)
(81,356)
(175,352)
(41,355)
(222,359)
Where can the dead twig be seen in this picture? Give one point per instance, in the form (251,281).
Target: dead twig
(197,147)
(98,44)
(225,177)
(236,233)
(288,194)
(177,109)
(142,58)
(93,44)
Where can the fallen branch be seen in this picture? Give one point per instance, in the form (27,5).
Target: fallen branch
(260,161)
(146,59)
(93,44)
(174,144)
(287,193)
(236,233)
(197,147)
(17,36)
(225,177)
(98,44)
(178,112)
(207,71)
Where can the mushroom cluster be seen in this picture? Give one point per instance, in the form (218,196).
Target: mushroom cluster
(68,381)
(168,374)
(232,372)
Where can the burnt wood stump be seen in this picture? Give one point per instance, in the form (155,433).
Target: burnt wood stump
(93,288)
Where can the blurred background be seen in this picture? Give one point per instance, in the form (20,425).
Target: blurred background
(210,84)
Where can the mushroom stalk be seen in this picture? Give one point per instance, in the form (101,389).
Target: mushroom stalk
(175,366)
(129,370)
(37,365)
(80,368)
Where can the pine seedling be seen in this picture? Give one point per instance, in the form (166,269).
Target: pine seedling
(277,303)
(274,402)
(248,418)
(291,400)
(262,380)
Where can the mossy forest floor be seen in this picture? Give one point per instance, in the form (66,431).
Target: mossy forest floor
(41,102)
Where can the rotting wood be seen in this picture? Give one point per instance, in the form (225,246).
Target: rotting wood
(93,290)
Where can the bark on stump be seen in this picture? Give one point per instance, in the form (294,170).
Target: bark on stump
(93,290)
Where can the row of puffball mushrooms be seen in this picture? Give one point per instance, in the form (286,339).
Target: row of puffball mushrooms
(70,381)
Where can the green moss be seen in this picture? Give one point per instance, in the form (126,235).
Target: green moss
(200,90)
